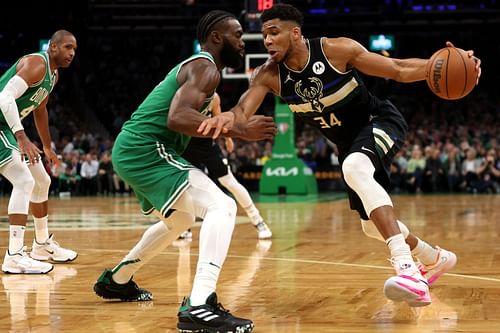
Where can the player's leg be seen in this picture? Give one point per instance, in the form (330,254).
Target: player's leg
(117,283)
(16,259)
(365,168)
(218,168)
(242,196)
(158,181)
(164,181)
(201,310)
(44,245)
(432,261)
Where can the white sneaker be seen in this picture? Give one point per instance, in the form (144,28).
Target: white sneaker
(51,250)
(446,260)
(188,235)
(409,285)
(263,230)
(21,263)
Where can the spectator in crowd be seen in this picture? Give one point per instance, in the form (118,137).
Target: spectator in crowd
(414,170)
(105,175)
(88,173)
(69,181)
(434,177)
(470,170)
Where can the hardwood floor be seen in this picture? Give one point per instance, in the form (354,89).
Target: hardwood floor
(319,273)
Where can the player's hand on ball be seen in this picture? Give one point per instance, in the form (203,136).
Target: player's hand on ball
(470,53)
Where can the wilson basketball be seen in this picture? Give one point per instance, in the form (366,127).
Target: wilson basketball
(451,73)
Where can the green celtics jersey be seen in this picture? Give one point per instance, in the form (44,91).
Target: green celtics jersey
(150,119)
(36,93)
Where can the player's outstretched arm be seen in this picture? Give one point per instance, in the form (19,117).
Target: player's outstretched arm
(247,126)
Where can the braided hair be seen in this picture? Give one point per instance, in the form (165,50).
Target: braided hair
(208,22)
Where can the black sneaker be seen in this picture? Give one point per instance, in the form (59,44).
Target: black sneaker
(210,318)
(128,292)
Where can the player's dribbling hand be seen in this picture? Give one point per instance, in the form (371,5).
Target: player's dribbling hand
(221,123)
(470,53)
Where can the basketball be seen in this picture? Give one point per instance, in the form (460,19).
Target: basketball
(451,73)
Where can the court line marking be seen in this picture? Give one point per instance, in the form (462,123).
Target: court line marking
(319,262)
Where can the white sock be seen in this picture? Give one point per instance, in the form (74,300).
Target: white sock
(427,254)
(16,238)
(398,247)
(218,211)
(215,237)
(204,284)
(41,229)
(153,241)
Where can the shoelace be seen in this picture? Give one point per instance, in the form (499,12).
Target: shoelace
(220,308)
(398,268)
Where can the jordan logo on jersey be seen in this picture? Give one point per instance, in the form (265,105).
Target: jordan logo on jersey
(311,93)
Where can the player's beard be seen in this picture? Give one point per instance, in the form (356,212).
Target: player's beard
(230,56)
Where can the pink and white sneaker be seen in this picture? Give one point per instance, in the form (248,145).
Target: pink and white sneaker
(446,260)
(408,286)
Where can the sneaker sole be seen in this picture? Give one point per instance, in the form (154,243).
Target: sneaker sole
(49,258)
(102,292)
(399,293)
(20,271)
(195,328)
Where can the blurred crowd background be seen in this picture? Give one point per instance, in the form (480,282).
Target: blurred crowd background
(125,47)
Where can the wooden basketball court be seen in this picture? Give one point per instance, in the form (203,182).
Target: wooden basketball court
(318,274)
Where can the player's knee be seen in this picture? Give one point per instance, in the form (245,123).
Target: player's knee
(42,181)
(357,168)
(25,183)
(41,188)
(178,220)
(229,205)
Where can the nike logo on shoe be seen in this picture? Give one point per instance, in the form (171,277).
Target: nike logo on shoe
(50,252)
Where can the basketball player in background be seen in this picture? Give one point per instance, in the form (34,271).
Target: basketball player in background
(205,153)
(317,78)
(146,155)
(25,87)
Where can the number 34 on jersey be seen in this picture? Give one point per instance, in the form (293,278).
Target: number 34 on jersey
(328,123)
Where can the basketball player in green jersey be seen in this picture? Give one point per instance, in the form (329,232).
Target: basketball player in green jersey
(318,79)
(147,155)
(25,88)
(205,154)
